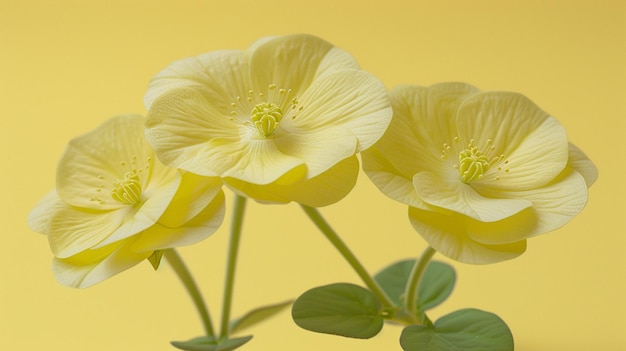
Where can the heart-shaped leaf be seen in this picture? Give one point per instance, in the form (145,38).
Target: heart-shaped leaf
(463,330)
(207,343)
(257,315)
(340,309)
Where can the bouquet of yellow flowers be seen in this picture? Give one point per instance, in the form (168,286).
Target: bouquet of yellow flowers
(285,121)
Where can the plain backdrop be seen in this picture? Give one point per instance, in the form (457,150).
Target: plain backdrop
(67,66)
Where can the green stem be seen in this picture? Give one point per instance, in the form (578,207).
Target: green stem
(185,277)
(332,236)
(414,279)
(235,235)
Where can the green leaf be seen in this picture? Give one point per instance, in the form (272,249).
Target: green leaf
(463,330)
(340,309)
(435,287)
(207,343)
(257,315)
(393,280)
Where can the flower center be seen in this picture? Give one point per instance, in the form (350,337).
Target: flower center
(474,161)
(127,190)
(265,117)
(472,164)
(265,109)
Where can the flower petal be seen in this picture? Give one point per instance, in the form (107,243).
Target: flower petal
(582,164)
(254,161)
(353,100)
(462,198)
(558,202)
(193,195)
(74,230)
(40,216)
(328,187)
(336,60)
(93,266)
(404,143)
(389,179)
(447,234)
(219,76)
(205,223)
(505,231)
(533,144)
(294,61)
(319,149)
(92,163)
(179,124)
(322,190)
(553,206)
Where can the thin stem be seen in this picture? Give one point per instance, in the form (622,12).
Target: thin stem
(332,236)
(415,277)
(185,277)
(235,235)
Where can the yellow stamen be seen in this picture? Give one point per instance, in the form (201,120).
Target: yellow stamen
(265,117)
(127,190)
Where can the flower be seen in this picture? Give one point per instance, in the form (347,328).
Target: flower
(279,122)
(481,171)
(115,205)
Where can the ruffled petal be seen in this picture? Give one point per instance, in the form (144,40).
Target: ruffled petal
(389,179)
(322,190)
(512,229)
(205,223)
(181,122)
(193,195)
(532,144)
(73,230)
(439,113)
(405,143)
(290,62)
(462,198)
(92,163)
(328,187)
(41,215)
(93,266)
(582,164)
(254,161)
(553,206)
(558,202)
(447,234)
(319,149)
(336,60)
(219,76)
(349,99)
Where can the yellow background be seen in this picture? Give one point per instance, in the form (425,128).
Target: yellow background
(66,66)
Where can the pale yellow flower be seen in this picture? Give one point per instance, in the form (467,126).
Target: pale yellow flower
(115,205)
(481,171)
(279,122)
